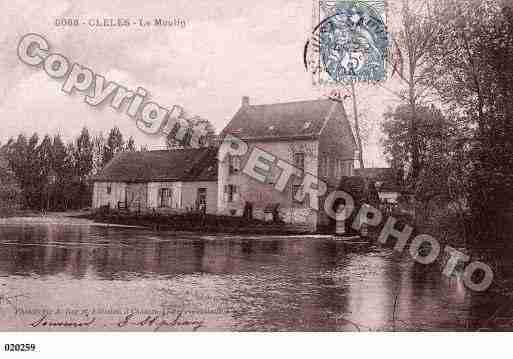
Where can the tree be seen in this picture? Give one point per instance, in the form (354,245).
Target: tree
(44,156)
(23,159)
(98,153)
(192,132)
(83,154)
(130,145)
(32,173)
(431,125)
(69,187)
(409,62)
(15,152)
(61,173)
(58,160)
(357,126)
(49,174)
(114,145)
(439,145)
(472,60)
(10,192)
(83,167)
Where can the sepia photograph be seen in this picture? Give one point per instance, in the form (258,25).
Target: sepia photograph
(282,166)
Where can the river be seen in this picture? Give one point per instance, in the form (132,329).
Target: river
(61,274)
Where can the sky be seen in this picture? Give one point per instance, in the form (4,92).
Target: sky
(227,49)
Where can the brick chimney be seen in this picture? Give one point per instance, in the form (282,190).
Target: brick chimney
(245,101)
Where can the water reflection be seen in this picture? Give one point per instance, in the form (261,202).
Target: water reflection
(234,283)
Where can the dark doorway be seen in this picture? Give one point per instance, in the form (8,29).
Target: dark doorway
(201,201)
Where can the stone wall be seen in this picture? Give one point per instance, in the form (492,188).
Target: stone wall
(190,194)
(336,143)
(145,196)
(102,197)
(136,196)
(336,148)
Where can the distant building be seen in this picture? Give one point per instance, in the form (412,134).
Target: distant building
(162,181)
(386,183)
(312,135)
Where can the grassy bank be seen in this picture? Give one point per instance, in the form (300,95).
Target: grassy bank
(194,222)
(11,212)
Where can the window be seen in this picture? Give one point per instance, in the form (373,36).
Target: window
(234,164)
(230,191)
(297,191)
(165,197)
(327,173)
(109,189)
(299,161)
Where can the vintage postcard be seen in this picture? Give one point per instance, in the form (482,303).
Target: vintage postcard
(277,166)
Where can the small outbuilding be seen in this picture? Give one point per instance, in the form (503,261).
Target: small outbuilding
(161,181)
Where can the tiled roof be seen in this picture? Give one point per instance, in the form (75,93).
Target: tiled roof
(282,120)
(168,165)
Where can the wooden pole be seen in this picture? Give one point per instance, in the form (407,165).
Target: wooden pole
(357,126)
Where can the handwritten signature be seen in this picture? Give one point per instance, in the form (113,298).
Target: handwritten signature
(131,320)
(157,322)
(44,321)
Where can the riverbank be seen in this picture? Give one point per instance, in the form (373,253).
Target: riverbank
(195,222)
(24,213)
(10,212)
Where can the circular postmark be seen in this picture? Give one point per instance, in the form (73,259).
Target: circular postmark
(349,44)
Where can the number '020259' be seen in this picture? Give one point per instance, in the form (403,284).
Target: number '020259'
(19,347)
